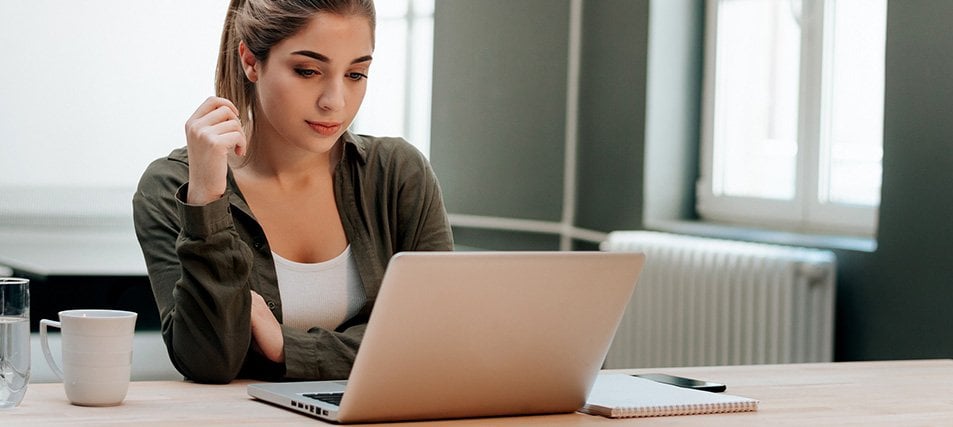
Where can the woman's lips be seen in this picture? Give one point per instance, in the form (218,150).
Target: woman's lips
(324,128)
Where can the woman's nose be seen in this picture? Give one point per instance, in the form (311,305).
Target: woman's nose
(331,97)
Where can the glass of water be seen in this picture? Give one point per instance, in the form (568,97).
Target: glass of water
(14,340)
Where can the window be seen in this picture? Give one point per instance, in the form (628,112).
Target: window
(793,114)
(94,91)
(398,92)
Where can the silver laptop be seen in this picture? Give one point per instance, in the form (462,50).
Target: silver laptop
(476,334)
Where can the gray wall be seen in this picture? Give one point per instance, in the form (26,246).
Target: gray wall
(499,118)
(896,302)
(612,93)
(498,137)
(500,78)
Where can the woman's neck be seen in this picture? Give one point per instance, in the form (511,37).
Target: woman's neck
(287,166)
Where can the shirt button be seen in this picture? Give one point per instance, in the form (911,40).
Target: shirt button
(272,305)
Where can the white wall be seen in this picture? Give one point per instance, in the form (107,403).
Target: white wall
(91,92)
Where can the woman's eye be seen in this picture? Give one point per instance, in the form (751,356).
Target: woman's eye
(356,76)
(304,72)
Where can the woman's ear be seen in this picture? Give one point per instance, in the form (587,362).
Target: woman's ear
(249,62)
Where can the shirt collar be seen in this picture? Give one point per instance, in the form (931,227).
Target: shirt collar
(359,144)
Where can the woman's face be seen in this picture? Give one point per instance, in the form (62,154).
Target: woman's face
(313,83)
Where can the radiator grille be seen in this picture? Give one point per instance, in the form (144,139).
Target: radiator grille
(703,301)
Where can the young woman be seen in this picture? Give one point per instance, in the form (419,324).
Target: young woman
(266,238)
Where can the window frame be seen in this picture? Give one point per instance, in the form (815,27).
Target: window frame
(804,212)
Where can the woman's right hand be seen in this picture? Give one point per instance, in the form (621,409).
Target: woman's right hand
(213,131)
(265,330)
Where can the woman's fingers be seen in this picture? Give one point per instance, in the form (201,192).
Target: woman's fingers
(226,129)
(213,103)
(213,117)
(212,132)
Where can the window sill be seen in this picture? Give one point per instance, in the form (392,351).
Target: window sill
(734,232)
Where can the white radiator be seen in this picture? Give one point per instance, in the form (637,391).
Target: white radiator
(703,302)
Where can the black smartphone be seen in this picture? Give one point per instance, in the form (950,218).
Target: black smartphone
(684,382)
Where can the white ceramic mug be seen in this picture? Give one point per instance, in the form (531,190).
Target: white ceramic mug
(97,354)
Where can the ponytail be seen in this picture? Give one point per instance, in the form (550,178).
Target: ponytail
(230,80)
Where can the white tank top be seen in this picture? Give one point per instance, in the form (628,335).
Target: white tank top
(323,294)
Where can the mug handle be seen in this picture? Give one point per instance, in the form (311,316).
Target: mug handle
(46,346)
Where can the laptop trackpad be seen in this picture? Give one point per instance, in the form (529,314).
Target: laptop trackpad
(289,389)
(322,387)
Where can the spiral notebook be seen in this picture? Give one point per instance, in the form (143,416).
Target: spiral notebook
(625,396)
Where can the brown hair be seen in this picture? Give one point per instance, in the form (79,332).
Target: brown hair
(262,24)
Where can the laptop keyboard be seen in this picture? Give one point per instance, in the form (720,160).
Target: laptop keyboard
(332,398)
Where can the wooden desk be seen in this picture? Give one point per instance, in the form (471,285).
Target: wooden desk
(860,393)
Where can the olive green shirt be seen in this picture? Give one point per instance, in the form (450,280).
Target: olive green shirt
(203,260)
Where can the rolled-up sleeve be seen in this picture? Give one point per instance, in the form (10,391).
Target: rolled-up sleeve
(198,268)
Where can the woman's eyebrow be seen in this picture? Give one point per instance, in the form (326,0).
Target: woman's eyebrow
(322,58)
